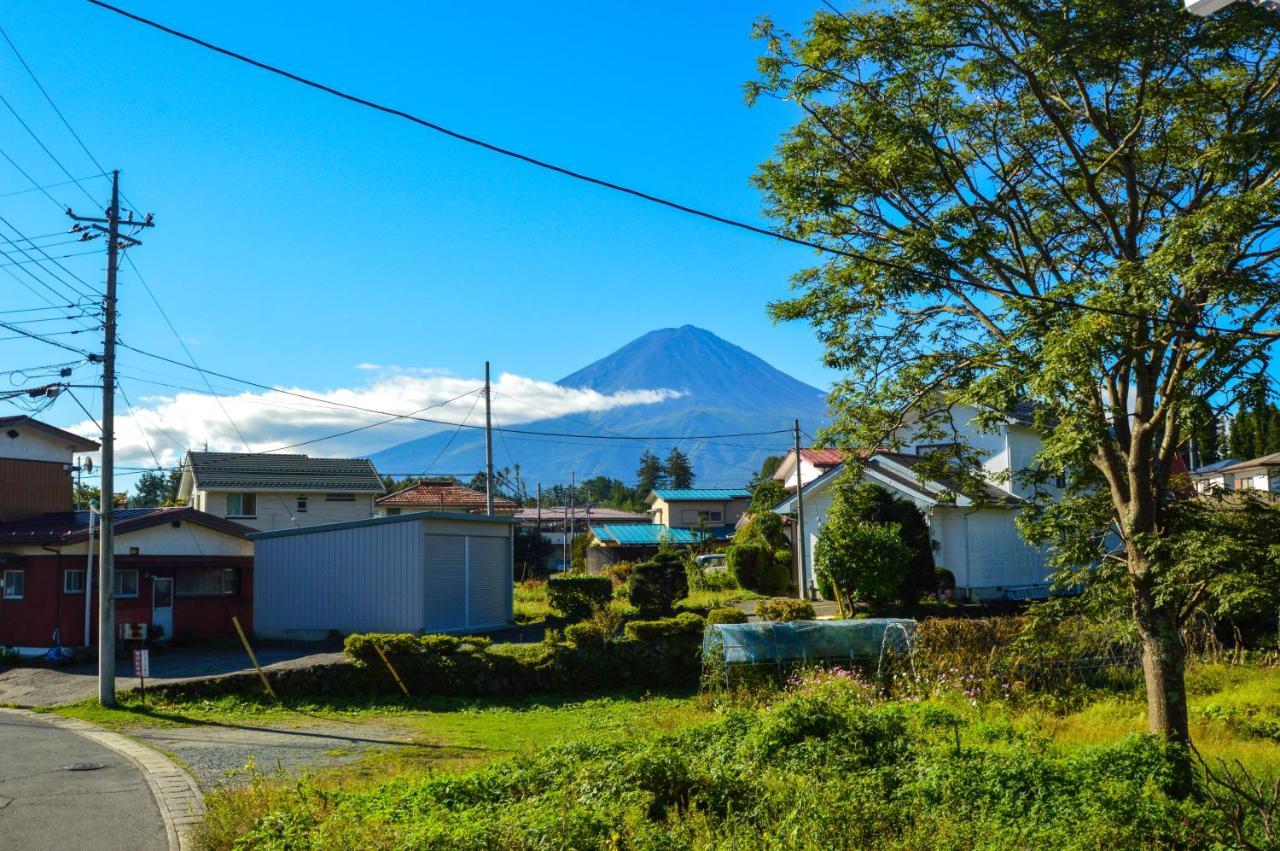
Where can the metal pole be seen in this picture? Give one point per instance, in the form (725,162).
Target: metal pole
(88,584)
(538,529)
(106,562)
(573,520)
(800,540)
(488,444)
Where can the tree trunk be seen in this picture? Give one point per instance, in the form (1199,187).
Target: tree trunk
(1163,661)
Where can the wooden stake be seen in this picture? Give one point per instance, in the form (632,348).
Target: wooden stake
(387,662)
(253,659)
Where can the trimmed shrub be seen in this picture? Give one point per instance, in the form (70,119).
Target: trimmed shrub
(575,597)
(619,571)
(655,585)
(747,564)
(785,609)
(726,615)
(359,647)
(685,623)
(946,580)
(587,635)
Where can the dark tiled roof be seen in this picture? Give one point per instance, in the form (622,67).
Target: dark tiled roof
(910,462)
(269,471)
(82,444)
(444,496)
(71,527)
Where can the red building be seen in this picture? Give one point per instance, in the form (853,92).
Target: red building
(183,572)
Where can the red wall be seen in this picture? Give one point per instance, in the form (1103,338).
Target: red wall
(30,622)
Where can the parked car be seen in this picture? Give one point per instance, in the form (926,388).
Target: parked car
(712,562)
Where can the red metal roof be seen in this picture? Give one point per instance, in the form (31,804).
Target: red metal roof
(823,457)
(73,526)
(444,496)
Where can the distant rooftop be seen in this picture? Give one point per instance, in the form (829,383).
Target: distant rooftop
(270,471)
(635,534)
(78,443)
(70,527)
(700,494)
(560,513)
(823,457)
(445,496)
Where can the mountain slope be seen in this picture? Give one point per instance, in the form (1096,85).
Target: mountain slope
(725,389)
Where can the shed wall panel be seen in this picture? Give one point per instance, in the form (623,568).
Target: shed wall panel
(444,586)
(363,579)
(489,566)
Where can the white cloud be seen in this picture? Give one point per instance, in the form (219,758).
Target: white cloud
(173,423)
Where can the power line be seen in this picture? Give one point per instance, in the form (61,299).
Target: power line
(134,416)
(508,430)
(946,280)
(45,148)
(45,339)
(42,188)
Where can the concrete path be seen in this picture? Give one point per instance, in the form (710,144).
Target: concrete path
(46,804)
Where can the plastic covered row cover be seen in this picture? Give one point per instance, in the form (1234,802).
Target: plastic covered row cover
(768,641)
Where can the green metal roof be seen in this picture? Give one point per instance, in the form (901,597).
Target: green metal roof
(709,494)
(640,534)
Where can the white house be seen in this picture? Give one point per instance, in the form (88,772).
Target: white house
(977,541)
(268,491)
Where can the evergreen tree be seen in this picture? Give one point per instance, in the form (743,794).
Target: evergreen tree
(678,469)
(149,491)
(650,473)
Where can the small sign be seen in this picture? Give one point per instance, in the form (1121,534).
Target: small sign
(133,631)
(142,664)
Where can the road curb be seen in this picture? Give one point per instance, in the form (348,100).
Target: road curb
(176,794)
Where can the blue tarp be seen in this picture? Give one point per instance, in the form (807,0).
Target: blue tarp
(768,641)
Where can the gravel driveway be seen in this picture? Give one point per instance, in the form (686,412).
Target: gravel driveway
(218,753)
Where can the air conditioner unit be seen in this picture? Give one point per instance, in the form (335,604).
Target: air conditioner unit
(133,631)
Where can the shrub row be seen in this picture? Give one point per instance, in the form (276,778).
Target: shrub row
(685,623)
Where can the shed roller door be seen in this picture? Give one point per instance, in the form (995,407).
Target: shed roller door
(490,583)
(446,591)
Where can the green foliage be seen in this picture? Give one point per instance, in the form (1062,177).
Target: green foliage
(588,635)
(685,623)
(857,559)
(575,597)
(578,553)
(755,567)
(874,504)
(726,614)
(819,768)
(84,494)
(1255,430)
(650,474)
(785,609)
(945,580)
(678,469)
(766,496)
(768,467)
(155,489)
(655,585)
(988,169)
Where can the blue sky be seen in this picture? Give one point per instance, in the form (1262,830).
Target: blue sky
(300,237)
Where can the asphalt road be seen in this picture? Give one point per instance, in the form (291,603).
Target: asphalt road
(43,805)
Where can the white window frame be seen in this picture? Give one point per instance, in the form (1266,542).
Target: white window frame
(241,513)
(22,582)
(66,575)
(118,582)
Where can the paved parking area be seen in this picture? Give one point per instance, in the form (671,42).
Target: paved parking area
(36,686)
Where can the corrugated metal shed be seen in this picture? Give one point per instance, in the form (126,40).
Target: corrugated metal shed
(430,571)
(638,534)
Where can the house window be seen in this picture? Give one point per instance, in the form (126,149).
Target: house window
(302,503)
(393,512)
(14,584)
(208,582)
(339,497)
(73,582)
(126,584)
(242,505)
(689,515)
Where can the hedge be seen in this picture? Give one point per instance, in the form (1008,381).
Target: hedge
(726,615)
(575,597)
(655,585)
(685,623)
(785,610)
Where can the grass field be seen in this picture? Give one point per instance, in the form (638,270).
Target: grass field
(1235,712)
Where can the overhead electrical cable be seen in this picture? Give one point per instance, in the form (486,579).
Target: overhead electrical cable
(945,280)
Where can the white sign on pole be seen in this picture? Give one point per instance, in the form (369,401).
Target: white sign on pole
(142,664)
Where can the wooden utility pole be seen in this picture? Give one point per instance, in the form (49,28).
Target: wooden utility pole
(488,443)
(800,582)
(106,561)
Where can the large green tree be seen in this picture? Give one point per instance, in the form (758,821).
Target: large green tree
(678,469)
(650,474)
(1021,199)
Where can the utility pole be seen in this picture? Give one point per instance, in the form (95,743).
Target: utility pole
(488,444)
(800,586)
(573,531)
(106,561)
